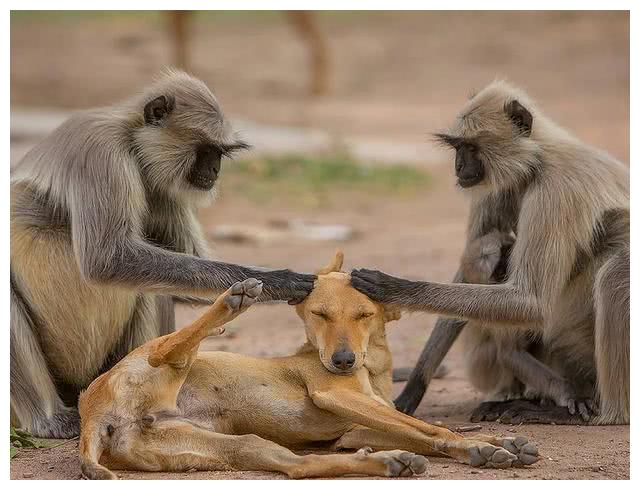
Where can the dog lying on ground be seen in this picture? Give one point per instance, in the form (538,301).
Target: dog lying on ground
(168,407)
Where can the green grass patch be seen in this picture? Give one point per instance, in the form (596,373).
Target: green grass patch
(316,179)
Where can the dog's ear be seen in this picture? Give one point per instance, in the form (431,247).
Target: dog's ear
(391,313)
(334,266)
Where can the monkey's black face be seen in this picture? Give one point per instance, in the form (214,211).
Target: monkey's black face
(205,170)
(469,167)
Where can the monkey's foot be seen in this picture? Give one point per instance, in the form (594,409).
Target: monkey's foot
(64,424)
(526,452)
(243,294)
(585,407)
(525,412)
(491,411)
(485,455)
(398,463)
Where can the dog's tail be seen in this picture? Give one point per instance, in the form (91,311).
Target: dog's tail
(93,437)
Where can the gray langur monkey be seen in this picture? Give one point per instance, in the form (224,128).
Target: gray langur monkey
(568,271)
(104,237)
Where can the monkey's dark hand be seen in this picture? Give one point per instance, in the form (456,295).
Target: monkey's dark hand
(381,287)
(284,285)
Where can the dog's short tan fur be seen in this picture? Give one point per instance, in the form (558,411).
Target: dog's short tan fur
(166,407)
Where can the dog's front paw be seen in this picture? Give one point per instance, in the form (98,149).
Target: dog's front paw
(243,294)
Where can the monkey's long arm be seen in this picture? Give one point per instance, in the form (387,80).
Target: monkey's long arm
(109,245)
(499,303)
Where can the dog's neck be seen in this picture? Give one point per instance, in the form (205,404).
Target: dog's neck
(377,362)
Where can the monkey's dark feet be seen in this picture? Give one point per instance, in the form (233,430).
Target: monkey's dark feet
(381,287)
(491,411)
(585,407)
(64,424)
(525,412)
(285,285)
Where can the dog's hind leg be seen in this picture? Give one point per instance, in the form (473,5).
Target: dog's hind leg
(177,445)
(178,349)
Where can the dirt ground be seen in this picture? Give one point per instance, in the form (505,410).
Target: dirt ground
(395,77)
(388,238)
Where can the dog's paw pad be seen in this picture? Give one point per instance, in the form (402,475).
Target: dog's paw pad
(490,456)
(522,448)
(243,294)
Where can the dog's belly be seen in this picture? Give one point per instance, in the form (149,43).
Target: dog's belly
(235,394)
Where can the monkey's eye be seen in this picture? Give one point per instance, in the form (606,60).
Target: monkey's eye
(227,152)
(320,314)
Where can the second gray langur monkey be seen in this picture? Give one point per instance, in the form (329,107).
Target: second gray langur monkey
(568,275)
(507,363)
(104,237)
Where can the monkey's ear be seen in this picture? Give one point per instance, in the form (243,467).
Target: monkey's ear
(520,116)
(158,109)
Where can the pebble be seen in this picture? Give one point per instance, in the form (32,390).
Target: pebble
(475,472)
(27,475)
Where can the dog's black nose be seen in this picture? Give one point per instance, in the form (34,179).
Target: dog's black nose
(343,359)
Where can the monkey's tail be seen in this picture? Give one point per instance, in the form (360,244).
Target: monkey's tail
(92,443)
(403,373)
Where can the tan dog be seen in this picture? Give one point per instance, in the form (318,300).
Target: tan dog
(167,407)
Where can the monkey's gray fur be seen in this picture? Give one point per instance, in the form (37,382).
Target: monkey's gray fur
(104,237)
(568,275)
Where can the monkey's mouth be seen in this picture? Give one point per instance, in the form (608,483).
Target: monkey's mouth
(466,182)
(203,181)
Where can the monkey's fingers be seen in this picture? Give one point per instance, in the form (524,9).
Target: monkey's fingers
(582,407)
(376,285)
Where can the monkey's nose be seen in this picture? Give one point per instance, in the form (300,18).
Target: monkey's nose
(343,359)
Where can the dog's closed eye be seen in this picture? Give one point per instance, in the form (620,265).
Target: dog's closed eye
(321,314)
(364,314)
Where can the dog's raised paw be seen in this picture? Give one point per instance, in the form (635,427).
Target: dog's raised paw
(243,294)
(401,463)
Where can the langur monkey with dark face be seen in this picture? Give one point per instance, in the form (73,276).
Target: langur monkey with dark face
(568,270)
(104,238)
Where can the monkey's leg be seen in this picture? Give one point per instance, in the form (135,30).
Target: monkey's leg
(612,348)
(177,445)
(34,400)
(559,404)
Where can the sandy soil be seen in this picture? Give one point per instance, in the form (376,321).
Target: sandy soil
(396,77)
